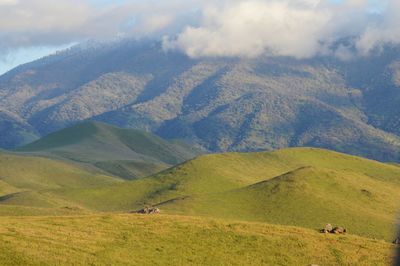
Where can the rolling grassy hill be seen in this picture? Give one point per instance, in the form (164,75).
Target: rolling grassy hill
(27,172)
(302,187)
(228,209)
(122,152)
(306,197)
(25,181)
(150,240)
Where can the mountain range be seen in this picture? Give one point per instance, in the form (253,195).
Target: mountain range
(217,104)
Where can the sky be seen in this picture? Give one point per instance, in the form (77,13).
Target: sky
(30,29)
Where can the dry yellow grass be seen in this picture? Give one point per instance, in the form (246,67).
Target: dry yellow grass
(111,239)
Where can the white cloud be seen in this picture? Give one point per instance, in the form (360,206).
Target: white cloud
(8,2)
(250,28)
(27,23)
(297,28)
(246,28)
(386,30)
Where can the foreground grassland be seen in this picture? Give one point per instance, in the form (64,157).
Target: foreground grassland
(111,239)
(222,209)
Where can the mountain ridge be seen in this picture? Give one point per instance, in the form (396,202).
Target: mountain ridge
(218,104)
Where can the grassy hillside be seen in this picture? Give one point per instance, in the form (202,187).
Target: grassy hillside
(150,240)
(25,182)
(35,173)
(125,153)
(302,187)
(306,197)
(242,209)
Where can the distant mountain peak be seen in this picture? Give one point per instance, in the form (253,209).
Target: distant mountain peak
(218,104)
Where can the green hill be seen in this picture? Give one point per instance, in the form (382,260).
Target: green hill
(307,197)
(302,187)
(122,152)
(150,240)
(244,208)
(35,173)
(25,182)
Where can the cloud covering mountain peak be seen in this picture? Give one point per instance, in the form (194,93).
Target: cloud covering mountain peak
(297,28)
(208,28)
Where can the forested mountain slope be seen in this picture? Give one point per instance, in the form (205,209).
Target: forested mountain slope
(218,104)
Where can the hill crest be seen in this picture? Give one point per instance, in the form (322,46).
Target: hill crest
(124,152)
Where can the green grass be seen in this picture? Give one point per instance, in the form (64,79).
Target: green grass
(176,240)
(243,209)
(306,197)
(300,187)
(27,183)
(126,153)
(34,173)
(304,187)
(19,211)
(128,169)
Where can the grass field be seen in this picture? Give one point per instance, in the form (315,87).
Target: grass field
(26,183)
(23,173)
(300,187)
(176,240)
(221,209)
